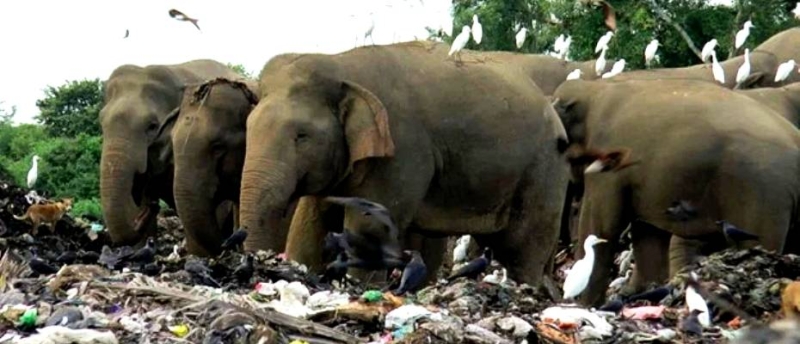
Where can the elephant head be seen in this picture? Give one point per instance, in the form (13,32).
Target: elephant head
(308,132)
(208,143)
(137,101)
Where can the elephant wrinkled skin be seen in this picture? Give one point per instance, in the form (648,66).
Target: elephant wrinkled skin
(728,155)
(136,162)
(447,149)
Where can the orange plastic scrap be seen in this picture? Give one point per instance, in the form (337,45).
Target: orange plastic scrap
(643,312)
(736,323)
(790,299)
(565,325)
(549,331)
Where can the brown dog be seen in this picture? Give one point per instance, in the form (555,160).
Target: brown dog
(46,213)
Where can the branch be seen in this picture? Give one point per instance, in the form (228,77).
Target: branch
(661,13)
(737,21)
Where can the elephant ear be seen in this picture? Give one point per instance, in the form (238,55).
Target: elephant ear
(562,141)
(366,124)
(164,130)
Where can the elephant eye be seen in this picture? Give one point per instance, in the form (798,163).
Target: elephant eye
(301,137)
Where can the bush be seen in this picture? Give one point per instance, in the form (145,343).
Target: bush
(89,208)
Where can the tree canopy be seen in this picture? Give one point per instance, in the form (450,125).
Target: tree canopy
(72,108)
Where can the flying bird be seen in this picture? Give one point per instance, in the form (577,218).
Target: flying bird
(370,29)
(474,268)
(477,29)
(650,52)
(784,70)
(413,275)
(600,64)
(460,251)
(603,42)
(368,208)
(235,240)
(742,34)
(617,68)
(33,173)
(681,211)
(574,75)
(578,276)
(708,48)
(609,15)
(127,33)
(182,17)
(460,42)
(744,69)
(716,68)
(520,37)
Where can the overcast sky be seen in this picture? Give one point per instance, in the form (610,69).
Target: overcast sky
(46,42)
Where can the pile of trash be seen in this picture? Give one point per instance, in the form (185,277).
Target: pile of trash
(101,295)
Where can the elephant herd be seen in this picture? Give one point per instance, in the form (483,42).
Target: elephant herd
(495,148)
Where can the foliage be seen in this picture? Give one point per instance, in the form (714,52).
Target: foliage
(238,68)
(71,109)
(638,22)
(6,116)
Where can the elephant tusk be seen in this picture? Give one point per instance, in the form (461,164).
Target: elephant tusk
(595,167)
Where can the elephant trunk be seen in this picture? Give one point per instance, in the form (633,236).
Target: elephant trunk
(117,170)
(267,188)
(197,209)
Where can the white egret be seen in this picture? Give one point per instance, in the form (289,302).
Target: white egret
(796,10)
(695,301)
(578,277)
(716,68)
(460,42)
(742,34)
(600,64)
(650,52)
(619,281)
(477,29)
(707,49)
(565,47)
(33,173)
(557,46)
(617,68)
(603,41)
(575,74)
(520,37)
(460,251)
(496,277)
(784,70)
(744,70)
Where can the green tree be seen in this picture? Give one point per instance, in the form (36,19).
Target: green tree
(238,68)
(677,24)
(6,116)
(72,108)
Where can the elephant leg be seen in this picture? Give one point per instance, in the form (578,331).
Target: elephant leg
(650,251)
(683,252)
(311,222)
(235,216)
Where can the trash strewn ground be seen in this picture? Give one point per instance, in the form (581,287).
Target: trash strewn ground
(130,302)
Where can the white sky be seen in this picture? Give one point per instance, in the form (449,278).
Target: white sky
(46,42)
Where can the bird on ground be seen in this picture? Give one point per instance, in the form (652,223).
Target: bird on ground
(235,240)
(681,211)
(696,302)
(40,266)
(564,49)
(600,64)
(603,42)
(578,276)
(742,34)
(496,277)
(624,260)
(796,10)
(146,254)
(784,70)
(744,69)
(716,68)
(33,173)
(734,234)
(617,68)
(67,257)
(88,257)
(708,48)
(460,251)
(520,37)
(575,74)
(650,52)
(477,29)
(336,270)
(414,274)
(183,17)
(690,324)
(245,270)
(151,269)
(618,282)
(200,271)
(474,268)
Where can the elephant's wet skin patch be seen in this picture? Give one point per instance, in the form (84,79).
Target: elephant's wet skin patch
(138,294)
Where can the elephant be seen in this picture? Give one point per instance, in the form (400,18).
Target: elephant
(208,154)
(383,123)
(783,100)
(731,157)
(136,162)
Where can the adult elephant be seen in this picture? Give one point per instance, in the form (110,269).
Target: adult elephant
(709,150)
(783,100)
(136,163)
(448,149)
(208,143)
